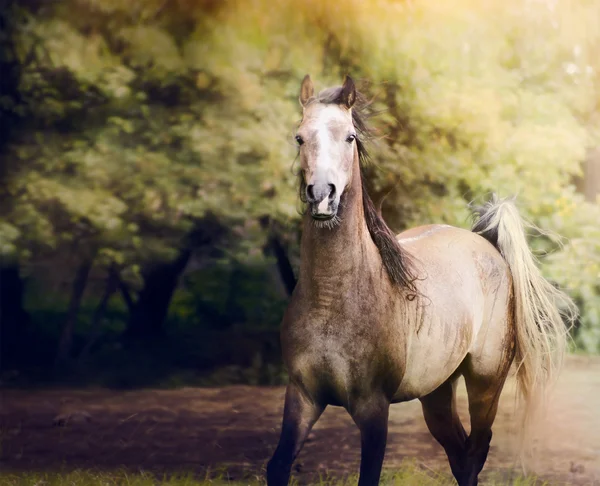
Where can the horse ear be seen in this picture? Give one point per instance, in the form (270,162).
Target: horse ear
(348,94)
(307,90)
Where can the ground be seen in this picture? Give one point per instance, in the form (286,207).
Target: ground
(233,430)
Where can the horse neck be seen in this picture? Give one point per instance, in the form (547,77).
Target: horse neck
(329,257)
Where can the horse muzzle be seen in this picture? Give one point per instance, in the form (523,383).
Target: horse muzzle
(322,200)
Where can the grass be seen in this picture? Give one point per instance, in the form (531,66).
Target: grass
(409,474)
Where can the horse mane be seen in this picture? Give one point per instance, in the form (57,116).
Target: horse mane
(397,262)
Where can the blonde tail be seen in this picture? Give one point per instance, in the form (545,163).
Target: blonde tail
(541,332)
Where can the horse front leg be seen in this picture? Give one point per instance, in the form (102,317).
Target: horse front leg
(371,418)
(299,416)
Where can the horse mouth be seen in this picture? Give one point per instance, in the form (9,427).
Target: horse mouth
(322,214)
(323,217)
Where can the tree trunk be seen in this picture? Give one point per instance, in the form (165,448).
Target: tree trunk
(146,321)
(284,266)
(275,245)
(96,324)
(14,320)
(151,308)
(77,290)
(589,183)
(126,295)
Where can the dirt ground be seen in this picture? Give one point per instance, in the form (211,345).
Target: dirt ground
(236,429)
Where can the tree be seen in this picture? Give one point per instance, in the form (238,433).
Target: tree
(145,119)
(115,163)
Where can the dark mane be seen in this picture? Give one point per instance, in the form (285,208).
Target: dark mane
(396,260)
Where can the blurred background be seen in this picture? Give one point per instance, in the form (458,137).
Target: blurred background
(149,215)
(149,224)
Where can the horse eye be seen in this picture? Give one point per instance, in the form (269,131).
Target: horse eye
(299,140)
(350,138)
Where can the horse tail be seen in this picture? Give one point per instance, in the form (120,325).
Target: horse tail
(541,334)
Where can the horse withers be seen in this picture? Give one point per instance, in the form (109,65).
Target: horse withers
(377,319)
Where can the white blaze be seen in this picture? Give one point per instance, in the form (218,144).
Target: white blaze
(324,162)
(329,125)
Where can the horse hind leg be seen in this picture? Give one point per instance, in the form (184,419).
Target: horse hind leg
(441,416)
(484,394)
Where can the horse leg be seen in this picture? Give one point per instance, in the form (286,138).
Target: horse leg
(441,417)
(299,416)
(371,417)
(484,395)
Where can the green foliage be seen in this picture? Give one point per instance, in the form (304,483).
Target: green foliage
(130,149)
(577,265)
(142,118)
(230,294)
(476,98)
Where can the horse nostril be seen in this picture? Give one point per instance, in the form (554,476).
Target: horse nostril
(310,195)
(331,191)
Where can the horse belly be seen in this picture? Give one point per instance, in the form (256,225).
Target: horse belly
(419,381)
(433,357)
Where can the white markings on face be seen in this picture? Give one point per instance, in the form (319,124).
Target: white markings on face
(329,115)
(327,156)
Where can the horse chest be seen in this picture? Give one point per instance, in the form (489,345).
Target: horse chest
(328,375)
(335,341)
(337,360)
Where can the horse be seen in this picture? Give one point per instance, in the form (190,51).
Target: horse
(377,319)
